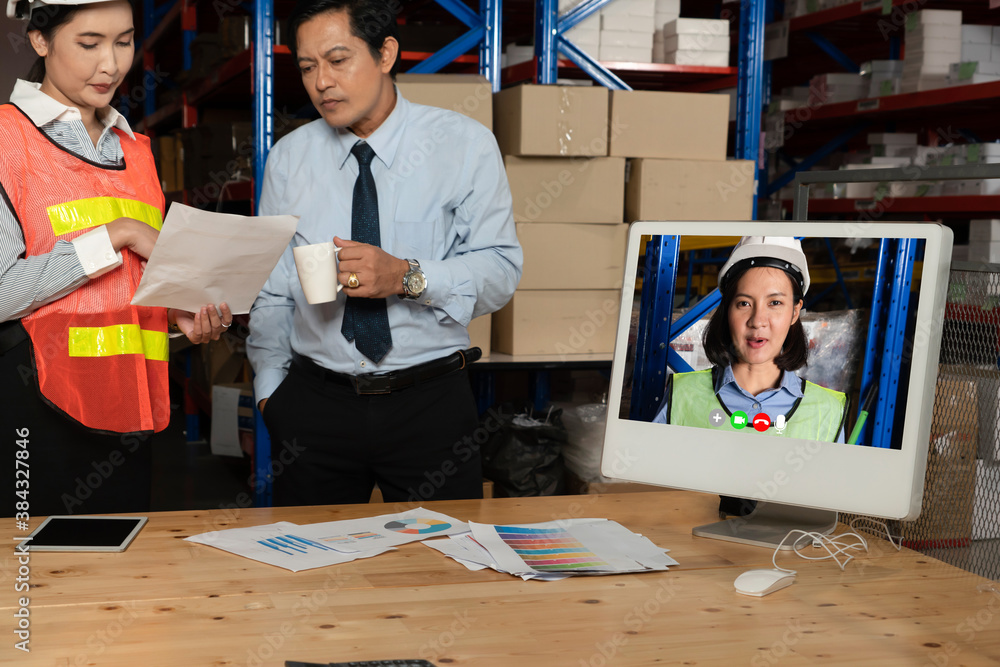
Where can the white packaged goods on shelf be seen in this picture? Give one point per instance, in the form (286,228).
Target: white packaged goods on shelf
(627,23)
(518,54)
(625,54)
(883,150)
(924,82)
(632,7)
(892,138)
(696,43)
(684,26)
(591,24)
(932,46)
(889,161)
(660,20)
(667,7)
(888,85)
(876,67)
(919,33)
(800,93)
(703,58)
(976,52)
(984,230)
(995,53)
(960,253)
(996,34)
(659,55)
(836,78)
(634,40)
(985,252)
(977,34)
(934,16)
(965,73)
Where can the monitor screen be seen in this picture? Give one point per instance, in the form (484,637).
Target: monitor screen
(806,380)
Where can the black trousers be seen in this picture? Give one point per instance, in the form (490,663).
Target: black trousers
(71,470)
(331,446)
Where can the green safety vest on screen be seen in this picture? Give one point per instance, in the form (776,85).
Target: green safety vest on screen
(818,415)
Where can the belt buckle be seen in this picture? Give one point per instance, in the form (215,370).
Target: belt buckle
(372,384)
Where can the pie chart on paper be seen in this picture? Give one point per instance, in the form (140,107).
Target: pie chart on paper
(418,526)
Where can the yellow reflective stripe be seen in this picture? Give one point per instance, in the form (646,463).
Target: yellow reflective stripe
(87,213)
(118,339)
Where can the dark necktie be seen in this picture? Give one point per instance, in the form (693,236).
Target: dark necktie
(365,320)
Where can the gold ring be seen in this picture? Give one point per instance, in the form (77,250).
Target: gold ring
(353,280)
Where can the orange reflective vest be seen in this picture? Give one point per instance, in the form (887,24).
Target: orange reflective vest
(99,360)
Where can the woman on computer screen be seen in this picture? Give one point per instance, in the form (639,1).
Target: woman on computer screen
(756,342)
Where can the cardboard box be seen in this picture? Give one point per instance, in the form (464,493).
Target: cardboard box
(479,334)
(984,230)
(697,57)
(552,120)
(171,162)
(469,94)
(689,190)
(548,189)
(572,256)
(557,322)
(646,123)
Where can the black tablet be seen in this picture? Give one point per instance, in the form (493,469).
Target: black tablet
(85,533)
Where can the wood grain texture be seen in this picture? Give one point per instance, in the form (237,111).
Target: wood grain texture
(169,602)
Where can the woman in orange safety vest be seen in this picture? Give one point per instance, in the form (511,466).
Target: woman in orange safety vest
(80,209)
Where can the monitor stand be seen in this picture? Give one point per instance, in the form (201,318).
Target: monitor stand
(768,525)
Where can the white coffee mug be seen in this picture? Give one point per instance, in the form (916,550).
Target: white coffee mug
(317,268)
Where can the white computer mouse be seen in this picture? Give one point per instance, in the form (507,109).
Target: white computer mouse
(762,582)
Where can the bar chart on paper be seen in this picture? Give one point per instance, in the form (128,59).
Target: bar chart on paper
(550,550)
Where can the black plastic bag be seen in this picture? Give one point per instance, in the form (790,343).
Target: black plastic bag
(524,456)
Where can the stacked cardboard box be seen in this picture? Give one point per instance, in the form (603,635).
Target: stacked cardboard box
(627,31)
(472,96)
(568,198)
(933,43)
(678,170)
(689,41)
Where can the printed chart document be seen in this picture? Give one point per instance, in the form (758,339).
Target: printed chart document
(280,544)
(556,549)
(298,548)
(202,257)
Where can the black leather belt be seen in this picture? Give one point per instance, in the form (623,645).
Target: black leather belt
(12,334)
(386,383)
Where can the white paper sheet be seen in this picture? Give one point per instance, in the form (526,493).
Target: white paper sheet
(386,530)
(202,257)
(280,544)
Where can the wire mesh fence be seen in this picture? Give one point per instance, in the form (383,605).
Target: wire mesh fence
(960,517)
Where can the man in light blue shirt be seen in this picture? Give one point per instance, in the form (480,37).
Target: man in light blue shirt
(371,388)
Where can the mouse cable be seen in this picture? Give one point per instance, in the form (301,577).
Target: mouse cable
(834,546)
(880,526)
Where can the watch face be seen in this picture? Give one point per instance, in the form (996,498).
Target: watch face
(416,282)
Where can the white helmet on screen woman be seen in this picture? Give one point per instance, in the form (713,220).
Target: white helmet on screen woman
(21,9)
(779,252)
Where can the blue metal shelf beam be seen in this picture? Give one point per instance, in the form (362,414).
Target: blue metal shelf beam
(750,84)
(484,31)
(550,40)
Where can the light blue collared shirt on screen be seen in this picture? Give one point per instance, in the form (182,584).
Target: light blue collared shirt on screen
(772,402)
(443,201)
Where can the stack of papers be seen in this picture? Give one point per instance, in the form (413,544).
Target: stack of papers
(298,548)
(555,550)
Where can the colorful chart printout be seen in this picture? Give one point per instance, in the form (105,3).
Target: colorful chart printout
(549,550)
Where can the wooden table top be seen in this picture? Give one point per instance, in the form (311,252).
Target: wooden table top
(169,602)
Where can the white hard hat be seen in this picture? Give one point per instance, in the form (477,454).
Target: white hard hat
(19,9)
(779,252)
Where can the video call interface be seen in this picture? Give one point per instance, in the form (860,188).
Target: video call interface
(822,400)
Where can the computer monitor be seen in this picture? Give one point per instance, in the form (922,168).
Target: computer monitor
(872,317)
